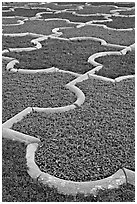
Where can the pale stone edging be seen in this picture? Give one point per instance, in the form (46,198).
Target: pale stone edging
(18,136)
(99,66)
(73,188)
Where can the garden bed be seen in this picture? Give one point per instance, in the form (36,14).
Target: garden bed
(17,42)
(20,91)
(119,4)
(130,12)
(18,186)
(91,142)
(38,27)
(26,12)
(120,22)
(116,66)
(6,8)
(71,17)
(10,21)
(90,9)
(58,7)
(111,36)
(66,55)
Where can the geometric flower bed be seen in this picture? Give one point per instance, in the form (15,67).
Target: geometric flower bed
(24,12)
(128,12)
(118,4)
(66,55)
(120,22)
(11,20)
(18,186)
(16,42)
(96,9)
(115,66)
(91,142)
(39,90)
(71,17)
(80,146)
(111,36)
(37,26)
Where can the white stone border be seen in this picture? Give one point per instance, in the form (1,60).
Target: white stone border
(72,188)
(99,66)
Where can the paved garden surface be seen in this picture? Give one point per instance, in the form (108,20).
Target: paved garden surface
(92,141)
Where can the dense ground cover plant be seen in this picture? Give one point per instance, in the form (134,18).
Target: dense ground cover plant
(91,142)
(129,12)
(66,55)
(119,4)
(38,26)
(115,66)
(90,9)
(111,36)
(17,42)
(10,20)
(71,17)
(14,4)
(6,8)
(18,186)
(120,22)
(68,3)
(20,91)
(26,12)
(54,6)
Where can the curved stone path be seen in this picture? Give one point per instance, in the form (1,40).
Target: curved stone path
(66,187)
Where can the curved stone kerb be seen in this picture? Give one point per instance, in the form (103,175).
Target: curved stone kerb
(70,187)
(80,95)
(18,136)
(11,64)
(92,58)
(128,48)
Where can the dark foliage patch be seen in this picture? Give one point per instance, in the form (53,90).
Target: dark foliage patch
(73,18)
(119,4)
(120,22)
(16,42)
(129,12)
(91,142)
(72,56)
(111,36)
(10,21)
(116,66)
(20,91)
(37,26)
(6,8)
(26,12)
(18,186)
(90,9)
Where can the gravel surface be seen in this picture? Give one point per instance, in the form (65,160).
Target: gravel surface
(72,55)
(17,42)
(120,22)
(116,66)
(20,91)
(18,186)
(91,142)
(111,36)
(38,27)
